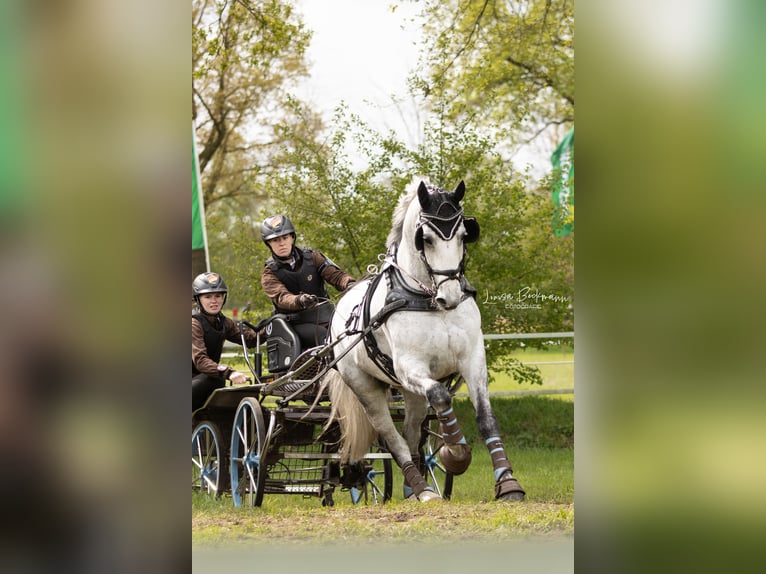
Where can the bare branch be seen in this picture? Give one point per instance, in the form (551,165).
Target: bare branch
(548,124)
(542,77)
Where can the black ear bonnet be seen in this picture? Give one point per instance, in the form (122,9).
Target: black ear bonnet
(441,211)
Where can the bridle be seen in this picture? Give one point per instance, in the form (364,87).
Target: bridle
(446,228)
(445,219)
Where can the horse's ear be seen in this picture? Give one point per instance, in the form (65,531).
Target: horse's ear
(459,191)
(423,195)
(471,229)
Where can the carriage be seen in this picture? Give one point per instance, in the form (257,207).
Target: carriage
(271,436)
(379,391)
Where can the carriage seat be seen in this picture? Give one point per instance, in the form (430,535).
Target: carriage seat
(282,344)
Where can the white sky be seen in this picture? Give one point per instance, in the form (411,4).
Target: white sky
(361,53)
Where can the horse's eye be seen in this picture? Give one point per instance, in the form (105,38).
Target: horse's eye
(428,241)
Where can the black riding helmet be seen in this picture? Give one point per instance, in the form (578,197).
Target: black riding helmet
(276,226)
(208,283)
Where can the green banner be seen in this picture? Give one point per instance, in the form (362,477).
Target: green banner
(12,143)
(563,186)
(198,231)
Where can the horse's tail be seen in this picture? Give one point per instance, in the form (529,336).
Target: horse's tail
(356,432)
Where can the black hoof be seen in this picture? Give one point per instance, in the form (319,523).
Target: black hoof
(513,497)
(509,489)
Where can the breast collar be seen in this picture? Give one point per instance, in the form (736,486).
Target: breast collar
(417,299)
(399,290)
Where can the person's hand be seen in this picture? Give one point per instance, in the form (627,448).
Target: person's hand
(307,301)
(237,378)
(350,284)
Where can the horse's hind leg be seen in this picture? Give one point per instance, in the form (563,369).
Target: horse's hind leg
(416,409)
(375,401)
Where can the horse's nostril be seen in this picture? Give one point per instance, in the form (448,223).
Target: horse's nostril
(441,302)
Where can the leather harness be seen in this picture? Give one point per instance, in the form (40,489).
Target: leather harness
(400,297)
(442,213)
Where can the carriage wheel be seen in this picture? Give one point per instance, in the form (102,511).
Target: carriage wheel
(378,481)
(437,476)
(248,470)
(381,474)
(207,459)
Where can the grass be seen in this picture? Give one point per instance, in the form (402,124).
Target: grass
(556,366)
(395,522)
(538,433)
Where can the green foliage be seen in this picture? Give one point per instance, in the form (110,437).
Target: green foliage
(506,68)
(525,422)
(509,64)
(340,210)
(345,212)
(522,373)
(245,57)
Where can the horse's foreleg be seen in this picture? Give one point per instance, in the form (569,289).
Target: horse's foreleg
(455,455)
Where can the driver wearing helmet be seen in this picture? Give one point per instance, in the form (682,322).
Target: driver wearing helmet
(294,279)
(210,328)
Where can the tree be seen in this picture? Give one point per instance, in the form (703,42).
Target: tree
(347,214)
(245,58)
(508,65)
(506,70)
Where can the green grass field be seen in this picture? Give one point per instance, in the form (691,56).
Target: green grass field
(538,433)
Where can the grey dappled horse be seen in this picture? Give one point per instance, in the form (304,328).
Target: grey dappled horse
(427,329)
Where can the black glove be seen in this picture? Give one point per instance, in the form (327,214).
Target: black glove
(307,301)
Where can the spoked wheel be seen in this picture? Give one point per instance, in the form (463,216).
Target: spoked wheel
(437,476)
(207,459)
(248,470)
(378,480)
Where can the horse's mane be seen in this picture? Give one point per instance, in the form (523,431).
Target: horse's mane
(397,225)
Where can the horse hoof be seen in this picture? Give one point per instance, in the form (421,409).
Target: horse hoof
(428,496)
(508,489)
(456,458)
(514,497)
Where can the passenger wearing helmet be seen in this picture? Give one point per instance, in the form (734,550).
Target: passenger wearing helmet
(210,328)
(294,279)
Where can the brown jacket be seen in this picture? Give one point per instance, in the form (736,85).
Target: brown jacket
(200,358)
(284,299)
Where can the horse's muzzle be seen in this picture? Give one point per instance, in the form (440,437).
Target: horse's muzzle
(448,294)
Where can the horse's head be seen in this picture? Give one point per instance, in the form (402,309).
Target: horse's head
(441,233)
